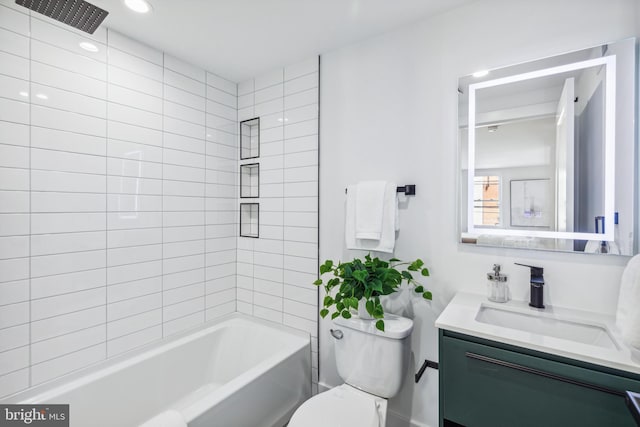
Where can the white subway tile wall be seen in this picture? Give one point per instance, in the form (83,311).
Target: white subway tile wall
(118,189)
(276,271)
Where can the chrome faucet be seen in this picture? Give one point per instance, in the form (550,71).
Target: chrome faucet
(537,286)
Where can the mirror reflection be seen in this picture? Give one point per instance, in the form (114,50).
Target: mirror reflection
(542,145)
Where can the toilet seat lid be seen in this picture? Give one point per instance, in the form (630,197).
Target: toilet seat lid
(341,406)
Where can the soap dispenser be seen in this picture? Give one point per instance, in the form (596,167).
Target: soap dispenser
(497,289)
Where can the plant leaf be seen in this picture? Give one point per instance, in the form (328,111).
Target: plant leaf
(370,305)
(318,282)
(378,311)
(376,285)
(360,275)
(407,275)
(326,267)
(324,312)
(348,271)
(346,314)
(340,305)
(417,263)
(380,325)
(394,260)
(427,295)
(419,289)
(425,272)
(327,301)
(334,315)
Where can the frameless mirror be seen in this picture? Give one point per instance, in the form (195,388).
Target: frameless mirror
(547,153)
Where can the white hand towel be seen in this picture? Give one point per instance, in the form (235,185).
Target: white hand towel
(370,197)
(170,418)
(628,316)
(389,223)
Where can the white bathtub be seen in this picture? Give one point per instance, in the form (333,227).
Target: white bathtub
(238,372)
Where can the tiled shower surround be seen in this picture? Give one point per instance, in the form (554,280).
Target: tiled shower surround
(119,201)
(276,271)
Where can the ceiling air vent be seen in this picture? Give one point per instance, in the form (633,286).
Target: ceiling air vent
(76,13)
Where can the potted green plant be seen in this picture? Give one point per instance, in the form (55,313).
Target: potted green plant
(363,282)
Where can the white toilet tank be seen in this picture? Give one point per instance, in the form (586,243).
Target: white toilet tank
(372,360)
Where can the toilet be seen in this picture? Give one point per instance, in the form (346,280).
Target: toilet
(372,363)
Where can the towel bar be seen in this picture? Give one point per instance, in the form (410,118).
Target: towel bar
(408,190)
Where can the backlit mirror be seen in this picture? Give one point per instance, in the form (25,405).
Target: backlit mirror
(547,153)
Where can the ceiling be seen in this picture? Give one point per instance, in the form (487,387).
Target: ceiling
(240,39)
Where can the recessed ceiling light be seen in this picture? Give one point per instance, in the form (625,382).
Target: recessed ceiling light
(23,93)
(480,73)
(140,6)
(41,96)
(89,46)
(281,119)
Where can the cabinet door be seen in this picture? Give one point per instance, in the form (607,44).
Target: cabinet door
(492,387)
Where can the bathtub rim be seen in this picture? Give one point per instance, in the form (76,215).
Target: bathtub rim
(95,371)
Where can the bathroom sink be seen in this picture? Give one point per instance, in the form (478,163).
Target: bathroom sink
(546,324)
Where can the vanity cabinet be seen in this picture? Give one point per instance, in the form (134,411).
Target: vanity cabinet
(487,383)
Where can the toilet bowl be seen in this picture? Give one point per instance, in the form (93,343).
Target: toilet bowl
(342,406)
(372,363)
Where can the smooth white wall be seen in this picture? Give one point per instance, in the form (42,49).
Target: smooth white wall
(388,111)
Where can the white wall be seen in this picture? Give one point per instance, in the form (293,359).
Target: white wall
(117,197)
(388,111)
(276,270)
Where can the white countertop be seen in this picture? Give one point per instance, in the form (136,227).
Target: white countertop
(460,316)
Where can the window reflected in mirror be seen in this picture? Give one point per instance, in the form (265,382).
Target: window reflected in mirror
(486,201)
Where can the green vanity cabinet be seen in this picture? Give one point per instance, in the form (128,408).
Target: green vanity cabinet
(487,383)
